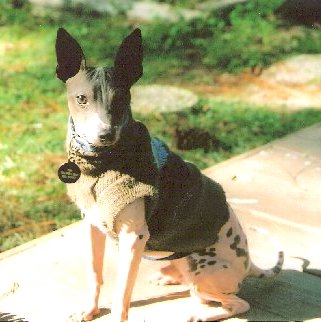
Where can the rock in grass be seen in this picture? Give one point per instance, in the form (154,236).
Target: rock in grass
(110,7)
(297,70)
(214,5)
(161,99)
(147,11)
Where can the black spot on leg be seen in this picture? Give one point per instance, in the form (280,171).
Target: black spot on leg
(202,266)
(240,252)
(234,245)
(141,236)
(202,261)
(192,263)
(237,239)
(225,266)
(229,232)
(212,254)
(200,252)
(211,263)
(197,273)
(204,252)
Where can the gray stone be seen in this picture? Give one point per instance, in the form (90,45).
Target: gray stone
(111,7)
(149,11)
(161,99)
(296,70)
(213,5)
(142,11)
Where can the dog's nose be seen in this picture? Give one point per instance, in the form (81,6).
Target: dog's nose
(107,136)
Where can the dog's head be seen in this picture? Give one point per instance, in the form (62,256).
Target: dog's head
(99,97)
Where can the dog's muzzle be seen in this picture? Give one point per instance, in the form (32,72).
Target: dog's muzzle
(86,148)
(107,137)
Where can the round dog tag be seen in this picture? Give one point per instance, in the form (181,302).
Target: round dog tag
(69,172)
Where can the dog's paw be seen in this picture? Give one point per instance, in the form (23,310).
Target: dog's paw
(76,317)
(84,316)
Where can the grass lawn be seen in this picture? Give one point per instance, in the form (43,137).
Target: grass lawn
(33,116)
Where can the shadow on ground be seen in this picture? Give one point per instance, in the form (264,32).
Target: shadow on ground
(292,296)
(8,317)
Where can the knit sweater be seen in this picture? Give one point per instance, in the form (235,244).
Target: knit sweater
(185,210)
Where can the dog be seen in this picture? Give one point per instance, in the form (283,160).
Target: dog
(131,186)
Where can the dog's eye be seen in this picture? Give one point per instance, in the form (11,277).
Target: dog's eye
(81,99)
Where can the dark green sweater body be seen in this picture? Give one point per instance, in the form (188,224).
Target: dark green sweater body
(185,210)
(190,211)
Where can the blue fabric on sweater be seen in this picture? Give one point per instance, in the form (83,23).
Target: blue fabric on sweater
(160,152)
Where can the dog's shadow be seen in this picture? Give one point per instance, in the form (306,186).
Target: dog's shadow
(8,317)
(141,303)
(292,296)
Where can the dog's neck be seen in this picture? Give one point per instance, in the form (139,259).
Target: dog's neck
(83,147)
(131,152)
(90,159)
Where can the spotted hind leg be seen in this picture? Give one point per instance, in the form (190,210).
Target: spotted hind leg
(214,283)
(218,307)
(215,294)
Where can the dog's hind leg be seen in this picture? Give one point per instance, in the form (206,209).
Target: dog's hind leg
(167,275)
(214,295)
(213,283)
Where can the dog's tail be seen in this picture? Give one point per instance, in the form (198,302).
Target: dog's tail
(256,271)
(261,273)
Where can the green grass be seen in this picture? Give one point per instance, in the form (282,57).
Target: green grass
(251,34)
(34,113)
(239,127)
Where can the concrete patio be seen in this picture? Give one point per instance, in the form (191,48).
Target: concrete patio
(275,190)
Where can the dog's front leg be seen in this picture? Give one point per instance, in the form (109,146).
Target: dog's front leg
(97,251)
(133,235)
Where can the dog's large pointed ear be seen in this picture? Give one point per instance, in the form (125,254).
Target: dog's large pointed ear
(70,57)
(128,64)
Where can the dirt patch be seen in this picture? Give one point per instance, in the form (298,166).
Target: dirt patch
(293,84)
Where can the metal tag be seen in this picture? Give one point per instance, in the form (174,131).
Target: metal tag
(69,172)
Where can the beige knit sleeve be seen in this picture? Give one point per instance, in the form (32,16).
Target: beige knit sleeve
(114,191)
